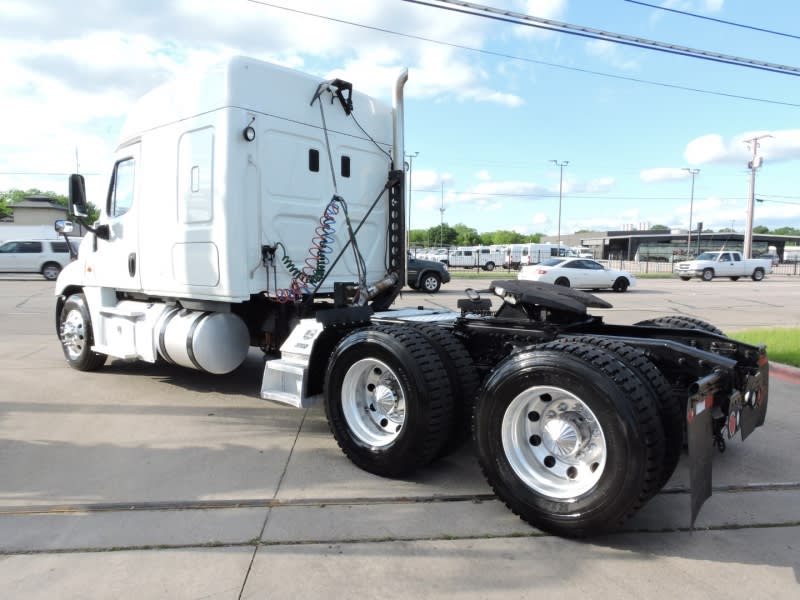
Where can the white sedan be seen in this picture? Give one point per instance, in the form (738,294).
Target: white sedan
(578,273)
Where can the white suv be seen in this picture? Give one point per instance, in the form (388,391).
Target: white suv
(47,257)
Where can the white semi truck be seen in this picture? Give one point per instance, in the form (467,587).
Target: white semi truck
(252,206)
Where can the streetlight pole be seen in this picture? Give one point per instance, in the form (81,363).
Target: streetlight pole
(692,172)
(410,158)
(754,164)
(561,166)
(441,226)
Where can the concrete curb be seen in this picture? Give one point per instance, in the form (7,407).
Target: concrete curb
(785,372)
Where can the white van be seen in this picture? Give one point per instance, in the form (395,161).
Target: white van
(47,257)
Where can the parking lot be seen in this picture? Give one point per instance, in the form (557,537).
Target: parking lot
(153,481)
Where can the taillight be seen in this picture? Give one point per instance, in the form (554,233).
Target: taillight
(542,271)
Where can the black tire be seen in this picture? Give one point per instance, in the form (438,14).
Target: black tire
(489,266)
(430,283)
(563,281)
(758,274)
(681,322)
(621,284)
(614,420)
(670,410)
(735,278)
(76,335)
(51,270)
(686,278)
(388,400)
(708,274)
(462,376)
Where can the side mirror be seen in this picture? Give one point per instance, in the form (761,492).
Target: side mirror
(77,196)
(62,226)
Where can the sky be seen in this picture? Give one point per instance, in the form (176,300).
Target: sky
(489,104)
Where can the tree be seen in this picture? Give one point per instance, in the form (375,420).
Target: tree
(659,228)
(466,236)
(461,235)
(760,229)
(786,231)
(11,197)
(442,235)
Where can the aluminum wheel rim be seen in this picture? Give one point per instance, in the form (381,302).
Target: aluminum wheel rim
(373,402)
(554,442)
(429,284)
(73,333)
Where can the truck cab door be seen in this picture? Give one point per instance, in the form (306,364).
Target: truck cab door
(725,265)
(116,261)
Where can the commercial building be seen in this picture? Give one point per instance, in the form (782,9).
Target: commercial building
(665,246)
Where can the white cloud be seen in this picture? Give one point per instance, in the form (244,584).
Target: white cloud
(663,174)
(544,9)
(483,175)
(611,54)
(695,5)
(68,87)
(777,145)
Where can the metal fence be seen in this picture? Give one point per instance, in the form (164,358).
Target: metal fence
(645,267)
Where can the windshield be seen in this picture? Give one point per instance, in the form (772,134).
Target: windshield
(708,256)
(552,262)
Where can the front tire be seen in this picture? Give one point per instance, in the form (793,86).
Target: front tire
(388,400)
(569,438)
(621,285)
(76,335)
(708,274)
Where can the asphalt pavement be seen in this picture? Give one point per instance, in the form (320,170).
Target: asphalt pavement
(153,481)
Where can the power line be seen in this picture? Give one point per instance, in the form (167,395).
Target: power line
(530,60)
(777,201)
(573,194)
(487,12)
(724,22)
(39,174)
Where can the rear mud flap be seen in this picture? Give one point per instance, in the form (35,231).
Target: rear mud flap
(754,408)
(700,437)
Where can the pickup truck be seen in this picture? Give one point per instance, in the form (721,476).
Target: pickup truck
(723,264)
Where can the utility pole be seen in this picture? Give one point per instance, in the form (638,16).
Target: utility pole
(561,166)
(410,158)
(754,164)
(692,172)
(441,227)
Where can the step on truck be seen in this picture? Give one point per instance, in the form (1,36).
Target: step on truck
(252,206)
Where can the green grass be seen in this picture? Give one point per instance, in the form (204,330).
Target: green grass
(476,274)
(504,274)
(783,345)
